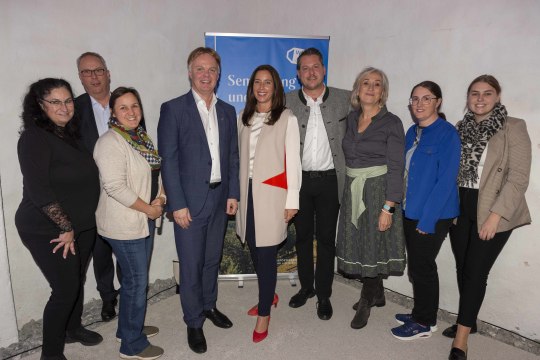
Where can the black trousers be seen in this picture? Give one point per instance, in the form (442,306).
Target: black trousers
(264,261)
(422,251)
(319,208)
(474,257)
(104,269)
(66,278)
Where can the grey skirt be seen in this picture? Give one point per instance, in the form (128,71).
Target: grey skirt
(365,251)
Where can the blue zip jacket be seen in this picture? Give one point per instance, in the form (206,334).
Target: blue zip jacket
(432,192)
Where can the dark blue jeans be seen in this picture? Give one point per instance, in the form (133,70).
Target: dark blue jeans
(134,259)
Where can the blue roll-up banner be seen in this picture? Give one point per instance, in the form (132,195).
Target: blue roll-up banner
(240,55)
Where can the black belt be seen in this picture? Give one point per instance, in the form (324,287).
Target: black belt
(318,174)
(214,185)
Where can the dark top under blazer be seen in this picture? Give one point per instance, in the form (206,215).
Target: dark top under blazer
(381,143)
(54,171)
(86,121)
(186,161)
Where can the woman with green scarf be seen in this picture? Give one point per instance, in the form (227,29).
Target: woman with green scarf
(131,199)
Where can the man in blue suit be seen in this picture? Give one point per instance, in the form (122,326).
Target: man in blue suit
(198,142)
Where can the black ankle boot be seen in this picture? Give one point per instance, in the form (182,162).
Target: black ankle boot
(362,314)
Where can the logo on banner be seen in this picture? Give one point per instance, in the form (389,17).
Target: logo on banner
(293,54)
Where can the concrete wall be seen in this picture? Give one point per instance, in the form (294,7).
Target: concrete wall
(8,334)
(146,44)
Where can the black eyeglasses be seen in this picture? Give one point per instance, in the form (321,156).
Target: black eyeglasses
(426,100)
(97,72)
(58,103)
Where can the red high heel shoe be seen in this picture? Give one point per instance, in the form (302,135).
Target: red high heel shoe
(254,311)
(260,336)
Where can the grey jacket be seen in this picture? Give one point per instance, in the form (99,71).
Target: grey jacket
(334,109)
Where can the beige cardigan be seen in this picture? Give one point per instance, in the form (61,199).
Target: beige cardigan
(124,176)
(505,176)
(270,202)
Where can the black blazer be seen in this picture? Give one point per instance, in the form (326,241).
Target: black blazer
(86,121)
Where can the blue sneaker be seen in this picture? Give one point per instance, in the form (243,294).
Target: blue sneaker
(407,318)
(411,331)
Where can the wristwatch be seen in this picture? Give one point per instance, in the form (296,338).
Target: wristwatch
(389,208)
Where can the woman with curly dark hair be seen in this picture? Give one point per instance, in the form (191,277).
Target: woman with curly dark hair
(55,219)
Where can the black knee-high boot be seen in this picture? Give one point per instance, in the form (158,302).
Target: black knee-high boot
(372,295)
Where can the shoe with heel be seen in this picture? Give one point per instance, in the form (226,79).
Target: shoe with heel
(254,311)
(260,336)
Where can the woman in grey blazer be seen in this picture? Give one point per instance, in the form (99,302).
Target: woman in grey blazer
(493,176)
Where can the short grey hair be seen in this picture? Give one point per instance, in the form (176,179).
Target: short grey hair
(355,101)
(90,53)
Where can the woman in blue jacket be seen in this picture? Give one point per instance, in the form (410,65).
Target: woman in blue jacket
(430,202)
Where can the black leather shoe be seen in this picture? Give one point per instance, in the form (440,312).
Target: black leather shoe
(196,340)
(218,318)
(83,336)
(324,309)
(301,297)
(457,354)
(451,331)
(107,310)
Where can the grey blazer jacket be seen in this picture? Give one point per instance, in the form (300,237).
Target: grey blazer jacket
(334,109)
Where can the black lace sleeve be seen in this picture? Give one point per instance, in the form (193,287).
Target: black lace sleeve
(58,216)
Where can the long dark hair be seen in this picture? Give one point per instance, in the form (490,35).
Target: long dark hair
(435,89)
(121,91)
(278,97)
(33,114)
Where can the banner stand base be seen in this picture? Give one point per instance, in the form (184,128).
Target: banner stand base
(237,277)
(241,277)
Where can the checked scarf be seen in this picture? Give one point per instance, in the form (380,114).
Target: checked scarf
(140,141)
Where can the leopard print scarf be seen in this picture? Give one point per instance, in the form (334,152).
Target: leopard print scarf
(474,139)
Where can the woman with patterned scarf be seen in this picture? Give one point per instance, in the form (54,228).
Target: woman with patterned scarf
(131,199)
(493,176)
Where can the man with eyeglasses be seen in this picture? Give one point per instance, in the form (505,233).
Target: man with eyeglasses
(321,113)
(198,143)
(93,115)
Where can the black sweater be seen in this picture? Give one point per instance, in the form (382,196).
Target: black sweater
(55,172)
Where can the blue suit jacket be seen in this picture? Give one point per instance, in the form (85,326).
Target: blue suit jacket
(186,163)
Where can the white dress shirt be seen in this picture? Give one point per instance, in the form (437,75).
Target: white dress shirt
(210,124)
(317,155)
(101,115)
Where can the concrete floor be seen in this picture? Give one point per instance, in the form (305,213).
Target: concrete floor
(293,333)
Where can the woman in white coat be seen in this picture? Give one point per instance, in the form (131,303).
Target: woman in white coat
(270,179)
